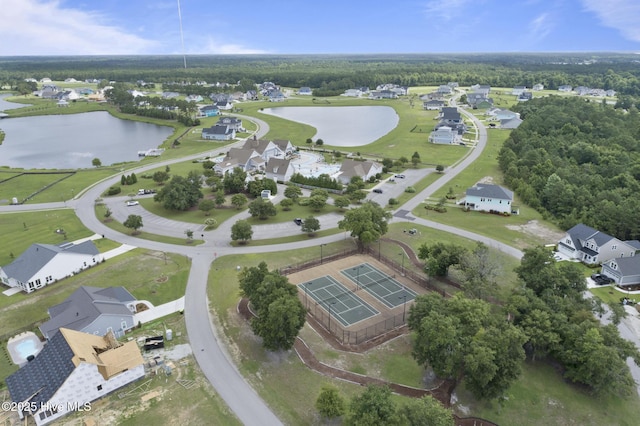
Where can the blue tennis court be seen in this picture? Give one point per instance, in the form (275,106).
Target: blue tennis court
(380,285)
(340,302)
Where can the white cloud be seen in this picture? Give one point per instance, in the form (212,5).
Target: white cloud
(447,9)
(540,27)
(41,27)
(622,15)
(216,47)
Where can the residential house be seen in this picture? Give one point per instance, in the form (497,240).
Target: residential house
(62,103)
(505,114)
(625,271)
(565,88)
(279,169)
(537,87)
(443,135)
(355,93)
(453,84)
(285,146)
(363,169)
(433,105)
(224,105)
(93,310)
(445,89)
(525,96)
(610,92)
(276,96)
(209,111)
(432,96)
(265,148)
(518,90)
(305,91)
(246,159)
(481,88)
(44,264)
(231,122)
(218,133)
(489,198)
(383,94)
(73,369)
(510,123)
(193,98)
(170,95)
(450,116)
(400,90)
(479,100)
(251,95)
(592,247)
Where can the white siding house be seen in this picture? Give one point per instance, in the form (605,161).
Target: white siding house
(44,264)
(489,198)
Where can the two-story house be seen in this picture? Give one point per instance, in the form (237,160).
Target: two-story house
(593,247)
(489,198)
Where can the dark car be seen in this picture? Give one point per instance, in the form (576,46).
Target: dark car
(297,221)
(377,191)
(600,279)
(400,176)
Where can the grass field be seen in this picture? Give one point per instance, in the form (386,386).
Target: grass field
(20,230)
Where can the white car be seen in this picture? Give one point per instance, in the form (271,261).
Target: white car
(132,203)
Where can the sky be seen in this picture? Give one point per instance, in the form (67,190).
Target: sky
(147,27)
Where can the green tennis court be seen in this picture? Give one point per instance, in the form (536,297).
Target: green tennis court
(341,303)
(380,285)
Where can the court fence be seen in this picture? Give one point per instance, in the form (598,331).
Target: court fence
(361,335)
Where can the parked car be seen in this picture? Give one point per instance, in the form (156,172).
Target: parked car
(132,203)
(297,221)
(600,279)
(377,190)
(400,176)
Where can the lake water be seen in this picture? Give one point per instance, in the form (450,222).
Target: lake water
(343,126)
(72,141)
(4,105)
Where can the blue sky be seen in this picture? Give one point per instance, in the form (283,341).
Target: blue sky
(105,27)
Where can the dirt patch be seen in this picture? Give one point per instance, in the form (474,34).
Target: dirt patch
(533,228)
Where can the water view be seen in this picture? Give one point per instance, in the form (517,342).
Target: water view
(72,141)
(5,105)
(343,126)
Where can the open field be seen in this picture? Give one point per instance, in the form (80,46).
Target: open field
(20,230)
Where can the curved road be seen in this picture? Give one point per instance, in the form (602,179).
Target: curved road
(211,356)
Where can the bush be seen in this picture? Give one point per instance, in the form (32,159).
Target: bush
(410,189)
(303,202)
(114,190)
(393,202)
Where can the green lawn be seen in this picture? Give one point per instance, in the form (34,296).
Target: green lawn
(20,230)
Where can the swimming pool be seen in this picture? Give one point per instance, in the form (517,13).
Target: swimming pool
(22,346)
(26,348)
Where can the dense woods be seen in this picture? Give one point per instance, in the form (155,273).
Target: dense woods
(577,161)
(331,73)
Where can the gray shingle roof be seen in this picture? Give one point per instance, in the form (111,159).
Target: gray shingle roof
(582,232)
(490,191)
(629,266)
(84,306)
(42,377)
(38,255)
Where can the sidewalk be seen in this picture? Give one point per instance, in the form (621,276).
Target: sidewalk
(155,312)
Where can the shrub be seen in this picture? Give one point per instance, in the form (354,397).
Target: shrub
(114,190)
(393,202)
(410,189)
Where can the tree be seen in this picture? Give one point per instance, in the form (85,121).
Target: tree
(286,204)
(462,338)
(367,223)
(262,209)
(180,193)
(310,225)
(107,214)
(134,222)
(319,142)
(373,407)
(481,268)
(415,159)
(317,202)
(219,198)
(241,230)
(330,404)
(439,168)
(189,234)
(280,322)
(341,202)
(426,411)
(293,192)
(206,206)
(96,162)
(160,177)
(234,181)
(440,256)
(238,200)
(210,223)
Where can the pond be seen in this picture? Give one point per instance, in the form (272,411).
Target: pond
(343,126)
(72,141)
(5,105)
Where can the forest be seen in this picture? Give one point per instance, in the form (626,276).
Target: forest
(577,162)
(330,73)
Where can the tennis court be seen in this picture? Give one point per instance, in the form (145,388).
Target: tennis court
(340,302)
(380,285)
